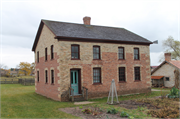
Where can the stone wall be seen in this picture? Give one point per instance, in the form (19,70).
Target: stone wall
(47,89)
(166,70)
(109,64)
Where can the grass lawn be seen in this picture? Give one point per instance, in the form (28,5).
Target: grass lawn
(15,78)
(19,101)
(162,89)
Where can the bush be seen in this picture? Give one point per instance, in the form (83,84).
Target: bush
(174,93)
(124,114)
(112,111)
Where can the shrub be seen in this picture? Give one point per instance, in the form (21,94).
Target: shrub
(124,114)
(87,111)
(174,93)
(112,111)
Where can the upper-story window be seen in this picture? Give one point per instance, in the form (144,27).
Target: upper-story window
(96,52)
(45,54)
(121,52)
(38,56)
(136,53)
(52,52)
(75,52)
(137,74)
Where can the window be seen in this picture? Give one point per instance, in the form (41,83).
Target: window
(45,54)
(52,76)
(37,76)
(96,75)
(167,78)
(121,52)
(136,53)
(46,76)
(75,52)
(52,52)
(96,52)
(137,73)
(38,56)
(122,76)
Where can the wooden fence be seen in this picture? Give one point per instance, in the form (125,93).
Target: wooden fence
(19,81)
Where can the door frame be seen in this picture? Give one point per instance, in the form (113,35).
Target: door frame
(79,78)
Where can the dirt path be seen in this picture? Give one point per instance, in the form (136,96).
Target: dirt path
(158,90)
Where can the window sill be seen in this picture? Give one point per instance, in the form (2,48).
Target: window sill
(46,83)
(97,83)
(52,59)
(137,59)
(122,82)
(121,59)
(137,80)
(96,59)
(52,83)
(75,59)
(45,60)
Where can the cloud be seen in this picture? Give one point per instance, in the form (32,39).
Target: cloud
(154,20)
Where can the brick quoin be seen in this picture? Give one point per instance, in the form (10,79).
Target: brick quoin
(47,89)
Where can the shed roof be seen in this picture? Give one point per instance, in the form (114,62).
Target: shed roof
(156,77)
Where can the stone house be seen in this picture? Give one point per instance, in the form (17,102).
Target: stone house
(84,55)
(165,72)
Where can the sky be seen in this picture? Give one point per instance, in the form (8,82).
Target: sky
(19,22)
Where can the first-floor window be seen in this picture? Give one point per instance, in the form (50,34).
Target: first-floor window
(52,76)
(137,73)
(46,76)
(37,76)
(167,78)
(96,75)
(122,74)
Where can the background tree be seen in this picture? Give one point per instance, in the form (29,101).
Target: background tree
(171,46)
(32,67)
(24,68)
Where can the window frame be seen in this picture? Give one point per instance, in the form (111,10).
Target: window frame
(100,82)
(75,52)
(166,79)
(46,76)
(123,74)
(37,76)
(136,54)
(46,58)
(139,74)
(97,46)
(37,56)
(52,52)
(120,53)
(52,77)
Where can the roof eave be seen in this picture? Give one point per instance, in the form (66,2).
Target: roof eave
(63,38)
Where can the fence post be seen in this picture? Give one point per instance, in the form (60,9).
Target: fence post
(12,80)
(5,81)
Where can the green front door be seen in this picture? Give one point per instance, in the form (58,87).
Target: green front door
(74,81)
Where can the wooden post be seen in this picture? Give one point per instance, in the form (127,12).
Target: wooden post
(5,81)
(83,92)
(86,94)
(73,95)
(12,80)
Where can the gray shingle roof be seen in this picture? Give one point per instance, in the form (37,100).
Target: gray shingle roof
(64,29)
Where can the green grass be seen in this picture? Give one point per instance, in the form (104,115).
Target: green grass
(18,101)
(162,88)
(14,78)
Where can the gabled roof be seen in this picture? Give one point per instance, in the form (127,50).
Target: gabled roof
(91,32)
(175,63)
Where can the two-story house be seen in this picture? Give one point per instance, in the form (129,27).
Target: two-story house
(84,55)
